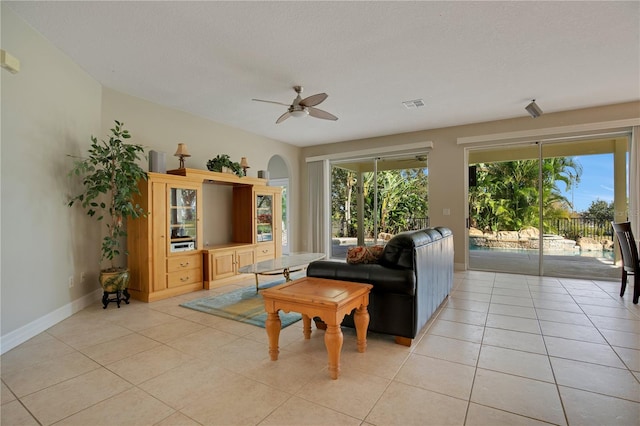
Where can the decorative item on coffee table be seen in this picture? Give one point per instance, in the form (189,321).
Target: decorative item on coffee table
(110,172)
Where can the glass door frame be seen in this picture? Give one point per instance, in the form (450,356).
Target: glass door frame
(392,161)
(620,148)
(531,151)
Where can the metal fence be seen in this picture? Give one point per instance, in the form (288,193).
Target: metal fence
(342,228)
(418,223)
(577,227)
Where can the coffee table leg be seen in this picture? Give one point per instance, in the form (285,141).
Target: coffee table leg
(306,326)
(361,320)
(256,282)
(333,341)
(273,326)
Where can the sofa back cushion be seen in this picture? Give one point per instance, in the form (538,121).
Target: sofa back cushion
(399,251)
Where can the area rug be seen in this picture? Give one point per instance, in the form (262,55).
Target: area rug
(244,305)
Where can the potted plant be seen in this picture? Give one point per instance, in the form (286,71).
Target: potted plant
(110,176)
(222,160)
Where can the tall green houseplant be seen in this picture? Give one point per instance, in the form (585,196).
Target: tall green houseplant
(110,176)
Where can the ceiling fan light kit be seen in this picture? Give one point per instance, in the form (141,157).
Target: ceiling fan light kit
(303,107)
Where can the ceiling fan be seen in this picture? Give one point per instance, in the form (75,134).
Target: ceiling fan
(303,107)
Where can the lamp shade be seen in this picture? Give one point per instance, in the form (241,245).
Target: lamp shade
(182,151)
(244,163)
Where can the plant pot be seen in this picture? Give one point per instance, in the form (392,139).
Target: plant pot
(114,281)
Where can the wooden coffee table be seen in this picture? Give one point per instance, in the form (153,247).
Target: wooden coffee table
(330,300)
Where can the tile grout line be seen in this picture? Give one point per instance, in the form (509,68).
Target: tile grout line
(475,370)
(555,379)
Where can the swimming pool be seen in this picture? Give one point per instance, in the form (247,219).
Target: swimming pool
(608,255)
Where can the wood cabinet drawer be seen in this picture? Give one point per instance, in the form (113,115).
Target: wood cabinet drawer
(180,278)
(181,263)
(265,251)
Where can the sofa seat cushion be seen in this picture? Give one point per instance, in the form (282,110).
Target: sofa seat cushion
(384,280)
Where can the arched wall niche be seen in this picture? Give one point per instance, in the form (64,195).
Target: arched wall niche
(278,168)
(279,176)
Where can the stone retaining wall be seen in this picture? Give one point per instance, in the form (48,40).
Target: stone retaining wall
(528,238)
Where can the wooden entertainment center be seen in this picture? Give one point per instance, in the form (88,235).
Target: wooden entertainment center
(167,255)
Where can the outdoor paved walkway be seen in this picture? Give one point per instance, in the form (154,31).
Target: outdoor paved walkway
(554,265)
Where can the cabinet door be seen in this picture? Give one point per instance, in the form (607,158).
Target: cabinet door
(183,218)
(159,241)
(223,264)
(264,218)
(245,257)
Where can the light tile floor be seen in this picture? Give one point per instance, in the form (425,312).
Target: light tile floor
(503,350)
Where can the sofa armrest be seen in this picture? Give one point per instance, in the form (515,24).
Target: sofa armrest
(383,279)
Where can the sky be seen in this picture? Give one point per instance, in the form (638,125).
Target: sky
(596,181)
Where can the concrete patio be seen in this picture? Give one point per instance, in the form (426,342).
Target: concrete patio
(526,262)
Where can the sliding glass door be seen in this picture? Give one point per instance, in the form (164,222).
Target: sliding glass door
(545,208)
(373,199)
(578,237)
(504,209)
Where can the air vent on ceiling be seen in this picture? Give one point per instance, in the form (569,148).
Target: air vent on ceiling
(416,103)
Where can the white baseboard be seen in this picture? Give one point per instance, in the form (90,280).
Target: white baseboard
(26,332)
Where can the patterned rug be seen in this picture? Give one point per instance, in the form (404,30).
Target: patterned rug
(244,305)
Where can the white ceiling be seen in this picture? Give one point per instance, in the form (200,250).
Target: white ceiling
(469,61)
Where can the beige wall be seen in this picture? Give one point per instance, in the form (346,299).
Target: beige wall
(49,110)
(447,186)
(161,129)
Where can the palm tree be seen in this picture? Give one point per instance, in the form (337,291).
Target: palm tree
(507,196)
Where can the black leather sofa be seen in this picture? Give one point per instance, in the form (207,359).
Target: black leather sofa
(411,279)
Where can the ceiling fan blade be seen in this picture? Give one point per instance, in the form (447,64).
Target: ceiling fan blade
(314,100)
(318,113)
(270,102)
(283,117)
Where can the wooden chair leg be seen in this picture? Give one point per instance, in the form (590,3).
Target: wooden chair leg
(623,286)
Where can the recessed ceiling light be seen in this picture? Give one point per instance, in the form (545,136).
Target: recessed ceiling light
(416,103)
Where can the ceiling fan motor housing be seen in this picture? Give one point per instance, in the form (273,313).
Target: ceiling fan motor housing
(303,107)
